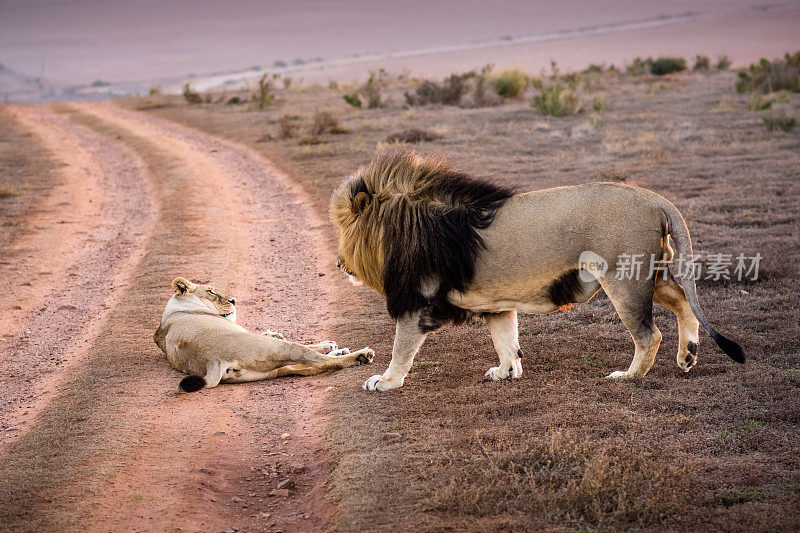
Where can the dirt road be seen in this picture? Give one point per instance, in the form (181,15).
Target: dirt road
(93,436)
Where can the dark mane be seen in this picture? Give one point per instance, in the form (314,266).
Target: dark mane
(430,216)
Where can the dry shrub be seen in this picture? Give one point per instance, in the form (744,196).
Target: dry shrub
(310,140)
(413,135)
(287,126)
(265,95)
(191,96)
(325,122)
(449,92)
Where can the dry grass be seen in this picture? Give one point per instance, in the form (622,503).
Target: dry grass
(563,449)
(7,191)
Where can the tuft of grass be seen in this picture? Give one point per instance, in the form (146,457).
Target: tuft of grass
(413,135)
(191,96)
(770,76)
(372,89)
(701,62)
(325,122)
(155,91)
(510,83)
(667,65)
(557,101)
(723,63)
(7,191)
(738,497)
(779,122)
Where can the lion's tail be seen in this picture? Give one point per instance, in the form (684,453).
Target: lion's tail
(679,232)
(193,382)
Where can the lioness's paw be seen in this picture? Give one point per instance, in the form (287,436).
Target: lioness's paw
(338,352)
(270,333)
(495,374)
(378,383)
(365,356)
(327,346)
(619,374)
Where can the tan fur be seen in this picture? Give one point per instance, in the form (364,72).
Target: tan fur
(535,238)
(199,339)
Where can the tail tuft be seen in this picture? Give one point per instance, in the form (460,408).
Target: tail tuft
(731,348)
(193,383)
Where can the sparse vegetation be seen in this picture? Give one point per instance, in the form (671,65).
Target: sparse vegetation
(510,83)
(413,135)
(371,91)
(771,76)
(557,101)
(191,96)
(310,140)
(701,62)
(666,65)
(779,122)
(234,100)
(599,104)
(155,91)
(638,67)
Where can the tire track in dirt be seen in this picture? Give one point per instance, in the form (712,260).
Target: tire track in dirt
(115,445)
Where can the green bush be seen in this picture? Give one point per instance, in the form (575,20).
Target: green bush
(771,76)
(557,101)
(510,83)
(667,65)
(723,63)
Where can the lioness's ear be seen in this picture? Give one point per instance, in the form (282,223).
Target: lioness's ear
(181,285)
(360,202)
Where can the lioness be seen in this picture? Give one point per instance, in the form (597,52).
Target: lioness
(443,246)
(200,337)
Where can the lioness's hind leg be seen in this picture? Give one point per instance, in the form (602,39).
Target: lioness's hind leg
(633,301)
(669,294)
(505,336)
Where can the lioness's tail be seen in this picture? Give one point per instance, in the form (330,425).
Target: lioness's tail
(680,235)
(192,384)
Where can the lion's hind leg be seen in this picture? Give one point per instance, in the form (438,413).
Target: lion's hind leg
(505,336)
(633,300)
(243,375)
(669,294)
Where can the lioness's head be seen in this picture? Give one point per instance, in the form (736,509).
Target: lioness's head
(197,294)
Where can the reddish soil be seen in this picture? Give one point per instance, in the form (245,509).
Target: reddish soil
(93,436)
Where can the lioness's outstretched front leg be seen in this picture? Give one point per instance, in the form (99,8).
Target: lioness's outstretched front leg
(408,338)
(505,336)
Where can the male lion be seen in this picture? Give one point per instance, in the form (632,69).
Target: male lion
(200,337)
(443,246)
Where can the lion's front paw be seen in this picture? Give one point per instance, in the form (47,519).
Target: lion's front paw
(380,384)
(270,333)
(327,346)
(365,356)
(619,374)
(496,373)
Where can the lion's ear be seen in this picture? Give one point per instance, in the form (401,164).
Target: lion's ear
(181,285)
(360,202)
